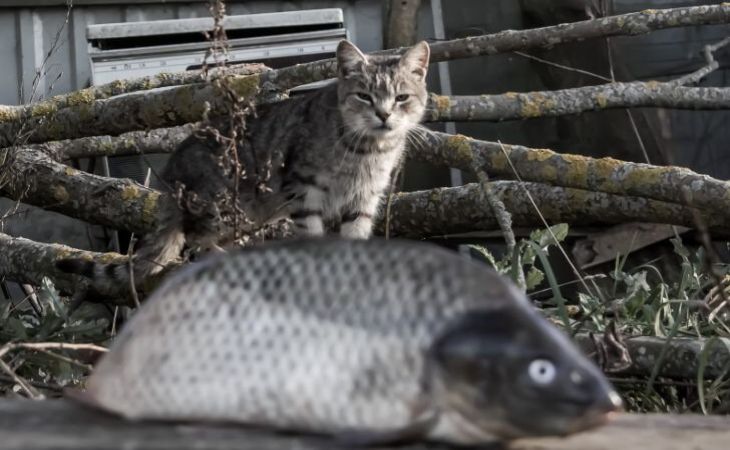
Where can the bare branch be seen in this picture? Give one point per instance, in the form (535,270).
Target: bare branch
(286,78)
(456,210)
(669,184)
(402,23)
(516,106)
(510,40)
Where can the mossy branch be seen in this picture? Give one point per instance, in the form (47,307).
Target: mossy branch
(103,91)
(670,184)
(505,41)
(28,261)
(457,210)
(516,106)
(511,40)
(509,106)
(124,204)
(137,111)
(31,176)
(159,140)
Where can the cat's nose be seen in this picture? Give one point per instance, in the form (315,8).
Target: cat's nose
(382,115)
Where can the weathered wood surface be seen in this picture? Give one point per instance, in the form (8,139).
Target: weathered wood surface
(58,424)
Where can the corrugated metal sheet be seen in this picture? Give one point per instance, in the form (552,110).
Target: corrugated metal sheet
(66,68)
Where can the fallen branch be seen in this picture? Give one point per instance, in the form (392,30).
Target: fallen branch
(456,210)
(138,111)
(33,177)
(683,356)
(670,184)
(631,24)
(505,41)
(89,95)
(509,106)
(514,106)
(28,261)
(160,140)
(124,204)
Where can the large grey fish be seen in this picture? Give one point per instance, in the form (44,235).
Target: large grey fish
(374,341)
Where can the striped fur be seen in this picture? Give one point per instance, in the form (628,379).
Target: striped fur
(325,159)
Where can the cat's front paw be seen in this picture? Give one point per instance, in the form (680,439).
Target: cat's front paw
(309,226)
(360,228)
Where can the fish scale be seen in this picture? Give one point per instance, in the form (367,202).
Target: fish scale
(322,335)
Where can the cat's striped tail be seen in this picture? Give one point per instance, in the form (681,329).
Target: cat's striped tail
(156,250)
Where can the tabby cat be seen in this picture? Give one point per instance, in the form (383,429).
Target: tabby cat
(323,159)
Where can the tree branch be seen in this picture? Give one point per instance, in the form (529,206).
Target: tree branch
(92,113)
(136,111)
(509,106)
(36,179)
(402,23)
(505,41)
(456,210)
(515,106)
(33,177)
(160,140)
(683,356)
(28,261)
(510,40)
(670,184)
(103,91)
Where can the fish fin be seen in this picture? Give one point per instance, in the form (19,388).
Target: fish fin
(363,437)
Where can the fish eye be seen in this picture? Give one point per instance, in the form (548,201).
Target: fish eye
(402,97)
(364,96)
(542,371)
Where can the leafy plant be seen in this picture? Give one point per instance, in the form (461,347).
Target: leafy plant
(54,322)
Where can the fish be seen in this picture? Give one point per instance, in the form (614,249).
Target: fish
(370,341)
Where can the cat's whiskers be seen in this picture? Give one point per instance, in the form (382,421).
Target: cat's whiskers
(359,135)
(416,135)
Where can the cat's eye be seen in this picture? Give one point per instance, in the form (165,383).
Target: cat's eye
(402,97)
(364,96)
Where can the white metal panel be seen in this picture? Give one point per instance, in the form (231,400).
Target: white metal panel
(28,33)
(248,21)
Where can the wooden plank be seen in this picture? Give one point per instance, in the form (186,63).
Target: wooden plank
(59,424)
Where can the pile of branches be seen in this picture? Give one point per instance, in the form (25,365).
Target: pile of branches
(39,139)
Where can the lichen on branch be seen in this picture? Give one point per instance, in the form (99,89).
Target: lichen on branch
(670,184)
(143,110)
(457,210)
(32,177)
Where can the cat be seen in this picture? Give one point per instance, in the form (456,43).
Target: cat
(322,159)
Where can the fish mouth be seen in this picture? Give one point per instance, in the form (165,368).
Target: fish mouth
(570,416)
(596,414)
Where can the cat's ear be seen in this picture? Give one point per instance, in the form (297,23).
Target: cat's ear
(416,59)
(349,58)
